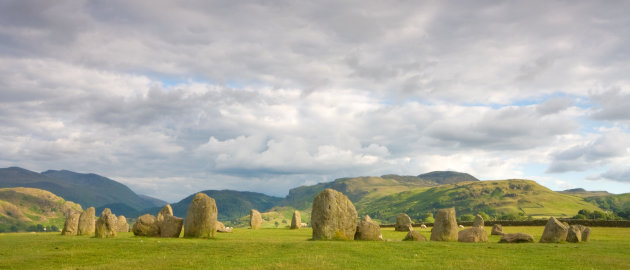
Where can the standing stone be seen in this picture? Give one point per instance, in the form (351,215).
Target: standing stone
(516,238)
(577,232)
(586,234)
(403,223)
(86,222)
(170,226)
(445,226)
(201,218)
(478,221)
(414,236)
(255,219)
(497,229)
(105,226)
(368,230)
(296,220)
(122,225)
(333,216)
(146,225)
(473,235)
(71,226)
(166,211)
(554,232)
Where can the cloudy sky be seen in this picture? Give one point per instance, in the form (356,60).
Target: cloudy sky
(174,97)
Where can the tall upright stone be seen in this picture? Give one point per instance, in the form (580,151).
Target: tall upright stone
(121,224)
(105,226)
(333,216)
(296,220)
(554,232)
(368,230)
(167,210)
(478,221)
(403,223)
(255,219)
(201,218)
(87,222)
(71,226)
(445,226)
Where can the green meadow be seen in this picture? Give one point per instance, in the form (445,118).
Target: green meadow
(609,248)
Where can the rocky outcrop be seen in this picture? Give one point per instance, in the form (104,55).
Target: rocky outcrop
(296,220)
(87,222)
(105,226)
(473,235)
(445,226)
(497,229)
(146,225)
(71,226)
(403,223)
(201,218)
(333,216)
(255,219)
(414,236)
(368,230)
(554,232)
(516,238)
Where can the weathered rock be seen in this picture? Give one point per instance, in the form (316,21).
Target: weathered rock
(554,232)
(497,229)
(473,235)
(516,238)
(578,233)
(146,225)
(71,226)
(478,221)
(333,216)
(445,226)
(586,234)
(122,225)
(105,226)
(170,226)
(296,220)
(255,219)
(368,230)
(201,218)
(87,222)
(220,226)
(414,236)
(165,211)
(403,223)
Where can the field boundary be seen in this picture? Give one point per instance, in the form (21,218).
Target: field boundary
(539,222)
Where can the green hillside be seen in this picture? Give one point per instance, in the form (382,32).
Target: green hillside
(23,207)
(617,203)
(580,192)
(496,198)
(447,177)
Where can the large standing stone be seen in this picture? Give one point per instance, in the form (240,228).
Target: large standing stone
(368,230)
(201,218)
(71,226)
(403,223)
(333,216)
(516,238)
(586,234)
(497,229)
(473,235)
(121,224)
(255,219)
(87,222)
(165,211)
(171,226)
(554,232)
(296,220)
(105,226)
(445,226)
(414,236)
(478,221)
(146,225)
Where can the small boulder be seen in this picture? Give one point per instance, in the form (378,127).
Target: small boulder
(220,226)
(87,222)
(296,220)
(554,232)
(403,223)
(71,226)
(586,234)
(122,225)
(478,221)
(473,235)
(577,232)
(445,226)
(201,218)
(333,216)
(105,226)
(414,236)
(368,230)
(255,219)
(497,229)
(146,225)
(516,238)
(170,226)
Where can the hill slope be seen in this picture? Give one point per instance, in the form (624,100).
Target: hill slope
(85,189)
(21,207)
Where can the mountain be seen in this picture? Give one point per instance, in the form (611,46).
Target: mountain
(580,192)
(231,204)
(22,207)
(497,198)
(447,177)
(85,189)
(156,202)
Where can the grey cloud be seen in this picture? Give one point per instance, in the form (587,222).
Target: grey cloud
(614,105)
(592,154)
(617,174)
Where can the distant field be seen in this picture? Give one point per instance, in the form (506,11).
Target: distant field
(283,248)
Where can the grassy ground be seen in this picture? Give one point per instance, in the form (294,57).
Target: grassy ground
(283,248)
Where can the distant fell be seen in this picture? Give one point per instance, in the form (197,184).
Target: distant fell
(447,177)
(580,192)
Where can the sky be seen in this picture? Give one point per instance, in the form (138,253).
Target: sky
(175,97)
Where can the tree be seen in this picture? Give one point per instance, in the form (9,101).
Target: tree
(277,224)
(466,217)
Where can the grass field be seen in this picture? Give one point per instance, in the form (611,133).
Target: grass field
(282,249)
